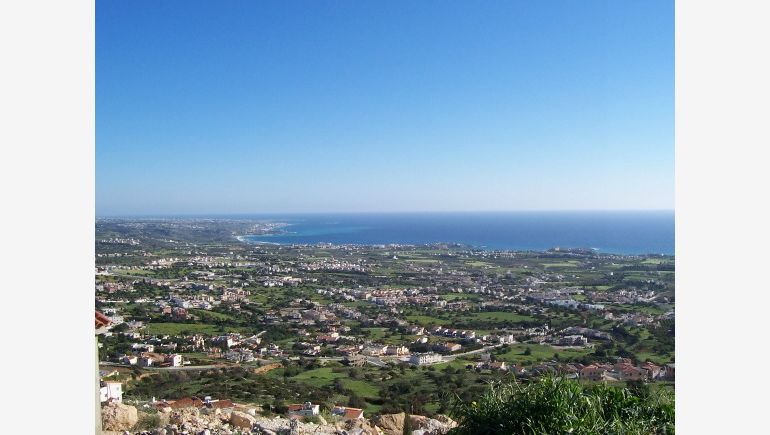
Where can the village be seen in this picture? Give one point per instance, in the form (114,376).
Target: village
(309,315)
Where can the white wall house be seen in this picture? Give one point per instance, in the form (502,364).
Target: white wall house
(111,391)
(175,360)
(425,358)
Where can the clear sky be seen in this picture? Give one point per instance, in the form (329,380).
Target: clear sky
(336,106)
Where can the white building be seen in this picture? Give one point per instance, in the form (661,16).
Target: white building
(306,409)
(175,360)
(129,360)
(425,358)
(111,391)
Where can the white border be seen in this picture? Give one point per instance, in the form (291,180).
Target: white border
(722,301)
(47,170)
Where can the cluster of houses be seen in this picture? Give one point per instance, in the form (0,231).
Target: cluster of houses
(151,359)
(624,370)
(333,264)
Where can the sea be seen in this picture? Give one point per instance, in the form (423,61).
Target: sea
(616,232)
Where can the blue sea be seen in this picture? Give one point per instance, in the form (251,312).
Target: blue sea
(609,232)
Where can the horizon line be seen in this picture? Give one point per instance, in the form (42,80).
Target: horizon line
(277,213)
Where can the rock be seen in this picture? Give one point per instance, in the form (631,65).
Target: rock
(362,427)
(119,417)
(391,424)
(418,421)
(242,420)
(184,415)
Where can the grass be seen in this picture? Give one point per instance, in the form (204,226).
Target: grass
(455,296)
(570,263)
(205,314)
(426,320)
(177,328)
(500,316)
(362,388)
(376,333)
(318,377)
(515,353)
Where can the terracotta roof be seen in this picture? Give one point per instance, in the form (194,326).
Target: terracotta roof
(295,407)
(223,403)
(187,402)
(101,320)
(353,413)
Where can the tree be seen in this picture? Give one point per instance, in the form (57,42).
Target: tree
(355,401)
(528,351)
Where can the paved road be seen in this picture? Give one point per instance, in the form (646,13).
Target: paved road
(213,366)
(471,352)
(376,361)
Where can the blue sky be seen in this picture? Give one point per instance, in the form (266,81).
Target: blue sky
(336,106)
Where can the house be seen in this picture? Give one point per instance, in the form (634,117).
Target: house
(667,373)
(348,414)
(498,365)
(329,338)
(175,360)
(653,371)
(425,358)
(633,374)
(111,391)
(573,340)
(306,409)
(354,360)
(449,347)
(396,350)
(129,360)
(593,373)
(417,330)
(374,350)
(146,361)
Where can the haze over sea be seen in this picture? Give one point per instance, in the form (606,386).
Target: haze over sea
(618,232)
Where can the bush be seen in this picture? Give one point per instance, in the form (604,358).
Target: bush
(553,405)
(147,421)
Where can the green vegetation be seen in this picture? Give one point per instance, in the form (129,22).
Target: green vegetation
(318,377)
(182,328)
(556,406)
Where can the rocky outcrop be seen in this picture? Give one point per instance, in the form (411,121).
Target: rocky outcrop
(431,426)
(117,417)
(362,427)
(242,420)
(391,424)
(194,421)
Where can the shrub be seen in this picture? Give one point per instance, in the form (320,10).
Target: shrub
(147,421)
(554,405)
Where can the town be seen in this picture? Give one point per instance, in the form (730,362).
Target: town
(188,310)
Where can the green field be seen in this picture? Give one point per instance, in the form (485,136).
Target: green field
(500,316)
(515,353)
(318,377)
(177,328)
(362,388)
(426,320)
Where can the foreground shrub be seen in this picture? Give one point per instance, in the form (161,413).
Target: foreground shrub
(553,405)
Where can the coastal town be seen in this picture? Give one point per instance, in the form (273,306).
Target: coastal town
(190,311)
